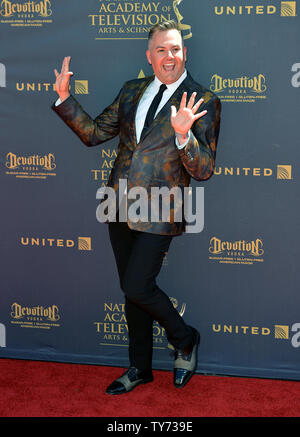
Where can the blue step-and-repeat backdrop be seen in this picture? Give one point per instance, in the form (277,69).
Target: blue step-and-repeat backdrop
(237,281)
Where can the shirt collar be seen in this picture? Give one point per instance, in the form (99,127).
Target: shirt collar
(171,86)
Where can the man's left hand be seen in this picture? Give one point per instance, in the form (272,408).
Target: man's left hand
(183,119)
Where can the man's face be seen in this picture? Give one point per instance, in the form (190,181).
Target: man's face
(166,55)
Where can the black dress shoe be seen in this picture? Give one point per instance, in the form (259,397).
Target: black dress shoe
(129,380)
(186,362)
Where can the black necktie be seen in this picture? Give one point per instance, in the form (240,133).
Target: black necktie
(152,109)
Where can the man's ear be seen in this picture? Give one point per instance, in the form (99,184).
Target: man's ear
(185,53)
(148,56)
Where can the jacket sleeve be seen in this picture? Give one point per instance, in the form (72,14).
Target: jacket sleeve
(198,156)
(91,132)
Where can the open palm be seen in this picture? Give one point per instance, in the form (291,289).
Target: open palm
(63,79)
(183,119)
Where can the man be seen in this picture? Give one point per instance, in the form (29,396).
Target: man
(164,141)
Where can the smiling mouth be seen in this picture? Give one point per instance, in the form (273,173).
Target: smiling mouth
(169,67)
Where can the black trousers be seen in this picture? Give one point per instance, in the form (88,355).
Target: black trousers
(139,257)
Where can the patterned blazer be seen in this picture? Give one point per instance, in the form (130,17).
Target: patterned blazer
(154,161)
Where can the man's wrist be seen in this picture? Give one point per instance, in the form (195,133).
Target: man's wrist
(182,137)
(64,97)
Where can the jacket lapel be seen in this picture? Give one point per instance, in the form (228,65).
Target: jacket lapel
(137,93)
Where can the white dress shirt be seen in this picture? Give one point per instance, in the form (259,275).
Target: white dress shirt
(146,101)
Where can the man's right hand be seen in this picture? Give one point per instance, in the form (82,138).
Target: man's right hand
(63,79)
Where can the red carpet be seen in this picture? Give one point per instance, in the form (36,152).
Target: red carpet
(43,389)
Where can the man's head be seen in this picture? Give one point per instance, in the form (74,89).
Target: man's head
(166,52)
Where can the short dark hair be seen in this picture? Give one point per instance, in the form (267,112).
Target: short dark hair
(162,27)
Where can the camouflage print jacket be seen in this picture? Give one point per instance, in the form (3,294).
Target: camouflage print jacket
(155,161)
